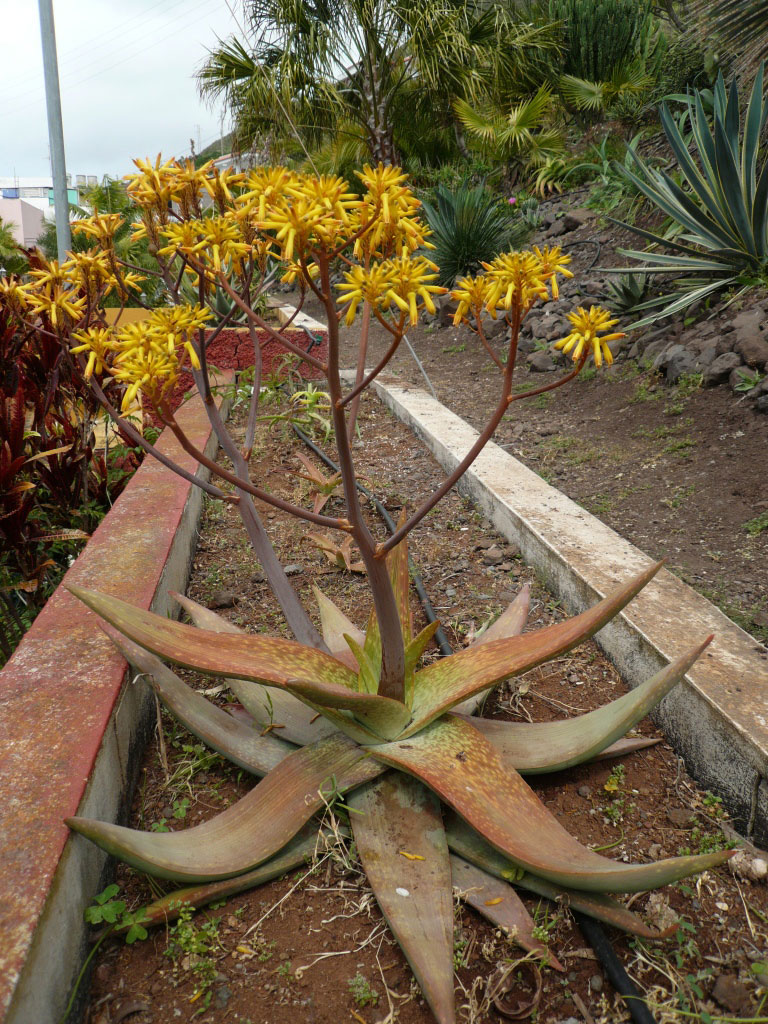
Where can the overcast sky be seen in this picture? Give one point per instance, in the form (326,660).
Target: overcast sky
(127,85)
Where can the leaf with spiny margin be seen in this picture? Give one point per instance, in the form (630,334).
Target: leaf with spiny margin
(465,842)
(511,622)
(384,717)
(293,855)
(449,681)
(400,816)
(397,563)
(466,771)
(368,678)
(534,747)
(498,902)
(413,653)
(266,705)
(218,729)
(269,660)
(251,830)
(334,625)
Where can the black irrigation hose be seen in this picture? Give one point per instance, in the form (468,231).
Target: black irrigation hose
(592,931)
(614,969)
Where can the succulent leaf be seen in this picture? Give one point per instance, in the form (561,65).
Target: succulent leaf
(465,842)
(237,742)
(268,706)
(334,625)
(498,902)
(251,830)
(533,747)
(449,681)
(465,770)
(386,718)
(399,816)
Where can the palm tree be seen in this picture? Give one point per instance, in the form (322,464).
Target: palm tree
(315,65)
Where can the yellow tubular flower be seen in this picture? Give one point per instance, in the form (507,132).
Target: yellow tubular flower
(13,295)
(360,284)
(584,334)
(99,343)
(515,281)
(411,285)
(101,226)
(553,261)
(389,211)
(471,294)
(50,292)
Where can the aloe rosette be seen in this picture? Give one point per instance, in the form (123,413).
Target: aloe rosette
(441,796)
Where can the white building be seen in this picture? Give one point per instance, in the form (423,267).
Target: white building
(38,191)
(25,220)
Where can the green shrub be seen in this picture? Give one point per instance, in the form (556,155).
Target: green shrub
(719,237)
(470,226)
(601,35)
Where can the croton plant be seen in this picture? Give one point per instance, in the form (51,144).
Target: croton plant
(440,794)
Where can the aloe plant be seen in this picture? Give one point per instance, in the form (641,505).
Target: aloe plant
(721,215)
(440,794)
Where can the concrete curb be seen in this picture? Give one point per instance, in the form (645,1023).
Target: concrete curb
(72,732)
(717,719)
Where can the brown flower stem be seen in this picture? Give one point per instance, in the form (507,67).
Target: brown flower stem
(392,681)
(245,485)
(141,442)
(257,320)
(486,344)
(250,429)
(298,621)
(362,353)
(363,384)
(468,459)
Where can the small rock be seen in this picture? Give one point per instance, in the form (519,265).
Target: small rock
(540,362)
(744,865)
(585,791)
(495,328)
(736,377)
(493,556)
(753,350)
(293,570)
(655,349)
(654,851)
(448,307)
(719,371)
(680,361)
(556,229)
(450,591)
(761,405)
(577,218)
(223,995)
(484,543)
(732,995)
(222,599)
(596,983)
(679,816)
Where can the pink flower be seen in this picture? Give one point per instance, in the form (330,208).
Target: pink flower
(512,200)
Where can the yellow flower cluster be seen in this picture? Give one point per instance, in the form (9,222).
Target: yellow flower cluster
(387,215)
(513,282)
(585,334)
(50,293)
(147,356)
(405,283)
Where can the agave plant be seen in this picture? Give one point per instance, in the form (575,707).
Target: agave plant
(722,215)
(440,794)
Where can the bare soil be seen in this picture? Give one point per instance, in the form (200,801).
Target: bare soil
(312,947)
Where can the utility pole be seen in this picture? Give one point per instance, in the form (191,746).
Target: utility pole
(55,129)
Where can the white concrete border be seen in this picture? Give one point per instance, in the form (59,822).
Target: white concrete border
(717,719)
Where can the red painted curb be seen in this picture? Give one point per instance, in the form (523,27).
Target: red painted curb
(59,689)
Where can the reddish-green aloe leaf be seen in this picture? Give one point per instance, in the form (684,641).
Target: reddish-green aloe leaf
(382,715)
(296,853)
(449,681)
(270,660)
(397,563)
(239,743)
(511,622)
(251,830)
(334,624)
(533,747)
(268,706)
(499,903)
(465,770)
(465,842)
(400,838)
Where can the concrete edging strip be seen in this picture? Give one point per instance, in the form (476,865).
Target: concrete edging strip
(717,719)
(71,730)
